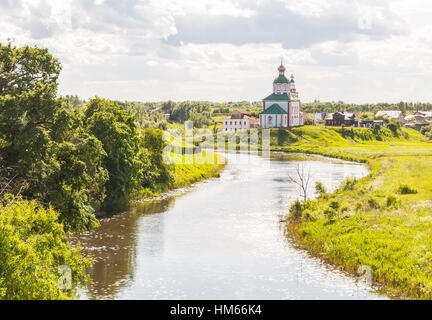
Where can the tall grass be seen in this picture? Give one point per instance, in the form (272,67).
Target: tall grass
(383,220)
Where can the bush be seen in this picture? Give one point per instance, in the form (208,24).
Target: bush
(335,205)
(376,128)
(33,246)
(330,213)
(320,189)
(373,203)
(348,184)
(405,189)
(296,210)
(394,126)
(392,202)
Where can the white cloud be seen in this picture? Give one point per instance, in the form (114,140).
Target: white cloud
(358,51)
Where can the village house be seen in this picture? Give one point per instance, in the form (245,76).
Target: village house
(417,120)
(416,116)
(416,124)
(391,115)
(281,109)
(425,114)
(319,118)
(338,119)
(240,120)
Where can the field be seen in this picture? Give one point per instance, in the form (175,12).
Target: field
(383,221)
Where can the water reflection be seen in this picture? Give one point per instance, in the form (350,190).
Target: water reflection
(223,240)
(113,246)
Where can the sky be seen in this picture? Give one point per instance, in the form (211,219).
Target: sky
(364,51)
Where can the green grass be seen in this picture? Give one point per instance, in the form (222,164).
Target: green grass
(206,167)
(186,170)
(384,220)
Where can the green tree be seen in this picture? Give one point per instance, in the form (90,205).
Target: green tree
(51,158)
(117,131)
(33,246)
(402,107)
(152,146)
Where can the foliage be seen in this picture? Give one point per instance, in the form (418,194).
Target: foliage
(296,209)
(380,220)
(320,189)
(161,173)
(406,189)
(54,161)
(33,246)
(145,116)
(394,126)
(117,131)
(427,131)
(198,112)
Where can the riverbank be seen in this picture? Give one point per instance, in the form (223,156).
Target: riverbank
(384,220)
(187,171)
(221,241)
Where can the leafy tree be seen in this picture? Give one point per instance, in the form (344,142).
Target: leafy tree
(402,107)
(394,126)
(168,106)
(24,68)
(117,131)
(33,246)
(152,145)
(41,140)
(376,128)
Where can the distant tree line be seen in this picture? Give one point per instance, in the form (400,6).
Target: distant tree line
(331,107)
(198,112)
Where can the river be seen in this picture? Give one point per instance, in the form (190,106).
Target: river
(220,239)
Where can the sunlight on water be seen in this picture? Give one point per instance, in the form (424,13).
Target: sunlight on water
(222,240)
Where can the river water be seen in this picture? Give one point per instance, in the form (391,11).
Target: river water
(221,239)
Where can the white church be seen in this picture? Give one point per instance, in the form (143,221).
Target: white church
(281,109)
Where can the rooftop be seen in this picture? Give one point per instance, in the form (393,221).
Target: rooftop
(274,109)
(390,114)
(281,79)
(277,97)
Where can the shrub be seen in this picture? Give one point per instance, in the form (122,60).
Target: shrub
(296,209)
(391,202)
(330,213)
(335,205)
(405,189)
(373,203)
(320,189)
(348,184)
(394,126)
(376,128)
(308,216)
(33,246)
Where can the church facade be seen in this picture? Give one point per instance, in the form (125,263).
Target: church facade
(282,109)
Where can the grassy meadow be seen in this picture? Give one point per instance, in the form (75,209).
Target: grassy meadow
(384,220)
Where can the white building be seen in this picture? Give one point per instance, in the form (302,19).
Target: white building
(282,107)
(391,115)
(240,120)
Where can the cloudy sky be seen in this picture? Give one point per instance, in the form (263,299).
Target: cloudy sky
(229,50)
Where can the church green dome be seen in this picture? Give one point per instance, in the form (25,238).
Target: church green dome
(281,79)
